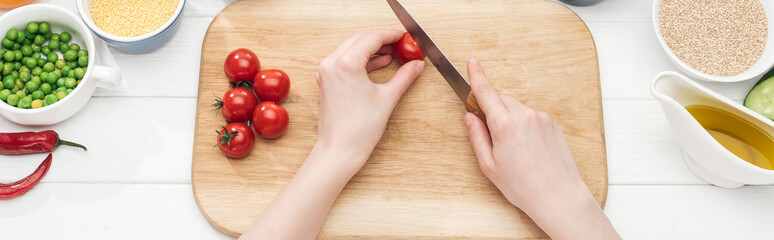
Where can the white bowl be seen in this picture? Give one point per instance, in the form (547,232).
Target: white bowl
(764,63)
(60,19)
(139,44)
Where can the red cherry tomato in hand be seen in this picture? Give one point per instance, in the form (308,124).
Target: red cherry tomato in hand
(237,105)
(236,140)
(407,50)
(270,120)
(241,65)
(271,85)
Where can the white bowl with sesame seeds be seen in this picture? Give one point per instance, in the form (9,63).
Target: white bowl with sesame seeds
(702,59)
(60,20)
(137,26)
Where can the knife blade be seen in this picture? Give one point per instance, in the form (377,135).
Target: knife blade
(438,58)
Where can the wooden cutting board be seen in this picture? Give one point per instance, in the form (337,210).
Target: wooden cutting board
(422,180)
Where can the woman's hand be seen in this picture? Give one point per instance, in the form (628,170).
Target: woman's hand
(354,110)
(526,156)
(353,115)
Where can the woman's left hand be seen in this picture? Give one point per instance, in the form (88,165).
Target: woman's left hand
(353,109)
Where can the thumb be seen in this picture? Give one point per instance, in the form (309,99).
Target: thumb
(404,77)
(482,143)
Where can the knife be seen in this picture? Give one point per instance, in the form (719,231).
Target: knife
(440,61)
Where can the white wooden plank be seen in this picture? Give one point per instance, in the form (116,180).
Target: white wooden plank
(691,212)
(105,211)
(615,10)
(129,140)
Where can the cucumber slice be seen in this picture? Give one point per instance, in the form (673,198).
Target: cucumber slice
(760,99)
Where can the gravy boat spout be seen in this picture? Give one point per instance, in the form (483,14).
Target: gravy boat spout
(704,155)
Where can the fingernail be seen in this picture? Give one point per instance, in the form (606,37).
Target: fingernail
(420,66)
(466,118)
(473,61)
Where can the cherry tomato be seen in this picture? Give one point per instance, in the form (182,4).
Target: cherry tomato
(236,140)
(271,85)
(237,105)
(270,120)
(241,64)
(407,50)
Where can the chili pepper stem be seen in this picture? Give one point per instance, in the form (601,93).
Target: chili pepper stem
(72,144)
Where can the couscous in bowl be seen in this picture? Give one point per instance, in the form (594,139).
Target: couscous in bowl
(129,43)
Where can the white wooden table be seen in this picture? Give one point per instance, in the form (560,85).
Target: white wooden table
(135,181)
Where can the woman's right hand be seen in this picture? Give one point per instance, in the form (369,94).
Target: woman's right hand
(526,156)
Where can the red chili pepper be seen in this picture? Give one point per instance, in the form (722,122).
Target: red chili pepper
(32,142)
(12,190)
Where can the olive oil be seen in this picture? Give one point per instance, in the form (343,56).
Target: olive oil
(742,138)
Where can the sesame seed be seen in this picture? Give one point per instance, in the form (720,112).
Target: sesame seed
(716,37)
(131,18)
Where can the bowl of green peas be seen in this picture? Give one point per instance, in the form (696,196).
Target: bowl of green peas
(47,65)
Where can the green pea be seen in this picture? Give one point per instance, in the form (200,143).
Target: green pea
(60,82)
(52,57)
(64,47)
(16,46)
(58,73)
(71,55)
(71,74)
(8,83)
(83,52)
(79,73)
(21,94)
(52,78)
(2,51)
(83,61)
(38,95)
(26,102)
(68,91)
(32,27)
(73,64)
(18,55)
(17,65)
(9,56)
(24,69)
(41,62)
(25,76)
(65,70)
(44,27)
(53,45)
(43,76)
(45,88)
(18,84)
(39,40)
(15,74)
(7,68)
(75,46)
(47,35)
(70,83)
(35,79)
(50,99)
(26,50)
(48,67)
(4,94)
(35,48)
(60,63)
(12,100)
(12,34)
(36,71)
(22,36)
(32,86)
(30,63)
(60,94)
(26,42)
(7,43)
(64,36)
(36,56)
(45,49)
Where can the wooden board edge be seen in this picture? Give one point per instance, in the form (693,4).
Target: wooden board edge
(199,205)
(603,201)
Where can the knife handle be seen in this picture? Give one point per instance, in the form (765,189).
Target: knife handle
(472,107)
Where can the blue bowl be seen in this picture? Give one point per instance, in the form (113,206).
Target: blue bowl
(140,44)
